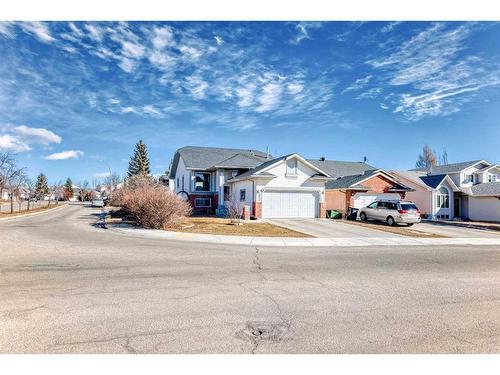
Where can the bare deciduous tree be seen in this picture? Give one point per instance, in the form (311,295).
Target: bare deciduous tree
(234,211)
(427,159)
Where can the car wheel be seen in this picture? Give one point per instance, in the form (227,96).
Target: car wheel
(390,221)
(409,224)
(362,216)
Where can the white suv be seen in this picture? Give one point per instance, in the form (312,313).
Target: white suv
(392,212)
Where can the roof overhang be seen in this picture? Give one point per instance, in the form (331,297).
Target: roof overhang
(450,182)
(304,161)
(253,177)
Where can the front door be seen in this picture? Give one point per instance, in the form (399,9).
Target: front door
(456,207)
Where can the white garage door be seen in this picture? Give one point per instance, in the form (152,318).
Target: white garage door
(364,199)
(291,204)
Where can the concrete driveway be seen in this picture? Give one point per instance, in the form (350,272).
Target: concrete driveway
(329,228)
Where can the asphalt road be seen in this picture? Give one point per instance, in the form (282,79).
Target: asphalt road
(67,287)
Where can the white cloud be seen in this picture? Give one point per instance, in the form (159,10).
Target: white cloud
(270,97)
(132,50)
(246,95)
(40,135)
(127,65)
(196,86)
(358,84)
(163,37)
(303,31)
(64,155)
(101,175)
(13,144)
(162,60)
(114,101)
(39,29)
(390,26)
(7,29)
(218,40)
(294,88)
(95,32)
(151,110)
(190,53)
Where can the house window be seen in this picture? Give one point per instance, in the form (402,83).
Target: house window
(178,185)
(492,178)
(291,167)
(243,195)
(469,178)
(202,181)
(202,202)
(443,198)
(182,182)
(227,193)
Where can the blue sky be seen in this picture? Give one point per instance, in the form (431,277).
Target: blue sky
(76,96)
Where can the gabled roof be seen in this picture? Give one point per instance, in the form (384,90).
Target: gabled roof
(239,160)
(337,168)
(451,168)
(259,171)
(486,189)
(355,182)
(433,181)
(482,170)
(203,158)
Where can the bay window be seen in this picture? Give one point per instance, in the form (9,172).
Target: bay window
(201,181)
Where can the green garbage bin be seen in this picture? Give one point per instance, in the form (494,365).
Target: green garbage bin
(332,214)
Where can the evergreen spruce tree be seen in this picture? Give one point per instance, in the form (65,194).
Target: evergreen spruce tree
(41,187)
(139,163)
(68,188)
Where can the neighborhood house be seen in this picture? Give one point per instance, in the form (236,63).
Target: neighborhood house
(467,190)
(291,186)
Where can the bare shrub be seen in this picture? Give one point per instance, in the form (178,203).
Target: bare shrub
(234,211)
(152,206)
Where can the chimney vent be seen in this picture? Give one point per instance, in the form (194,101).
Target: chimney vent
(322,158)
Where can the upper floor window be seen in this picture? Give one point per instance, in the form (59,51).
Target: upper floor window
(492,178)
(243,195)
(469,178)
(202,181)
(291,167)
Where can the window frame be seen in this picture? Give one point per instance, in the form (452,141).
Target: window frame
(243,195)
(203,199)
(209,180)
(443,200)
(292,171)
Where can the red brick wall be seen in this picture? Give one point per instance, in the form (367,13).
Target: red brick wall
(257,209)
(322,210)
(335,200)
(213,204)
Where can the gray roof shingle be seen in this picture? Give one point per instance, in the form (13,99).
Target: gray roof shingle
(486,189)
(337,168)
(449,168)
(261,167)
(433,181)
(202,158)
(348,181)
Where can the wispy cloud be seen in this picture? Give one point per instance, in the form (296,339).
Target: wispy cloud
(41,135)
(303,31)
(13,144)
(101,175)
(39,29)
(358,84)
(64,155)
(429,66)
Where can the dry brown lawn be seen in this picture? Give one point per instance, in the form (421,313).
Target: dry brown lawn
(400,229)
(214,225)
(24,212)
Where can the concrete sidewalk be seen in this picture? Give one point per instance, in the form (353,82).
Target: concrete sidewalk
(302,242)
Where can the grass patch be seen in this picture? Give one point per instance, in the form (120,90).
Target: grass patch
(400,229)
(214,225)
(24,212)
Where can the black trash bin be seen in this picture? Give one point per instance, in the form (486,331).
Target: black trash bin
(352,214)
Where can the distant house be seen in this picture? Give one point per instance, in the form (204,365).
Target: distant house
(466,190)
(213,178)
(357,184)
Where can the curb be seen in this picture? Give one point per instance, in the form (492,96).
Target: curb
(302,242)
(34,213)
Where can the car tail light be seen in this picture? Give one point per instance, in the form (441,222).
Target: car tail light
(403,211)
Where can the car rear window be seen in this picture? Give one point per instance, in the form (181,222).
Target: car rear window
(408,206)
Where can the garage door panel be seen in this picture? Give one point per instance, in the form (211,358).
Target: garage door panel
(289,204)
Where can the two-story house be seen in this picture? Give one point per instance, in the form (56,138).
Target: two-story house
(211,178)
(466,190)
